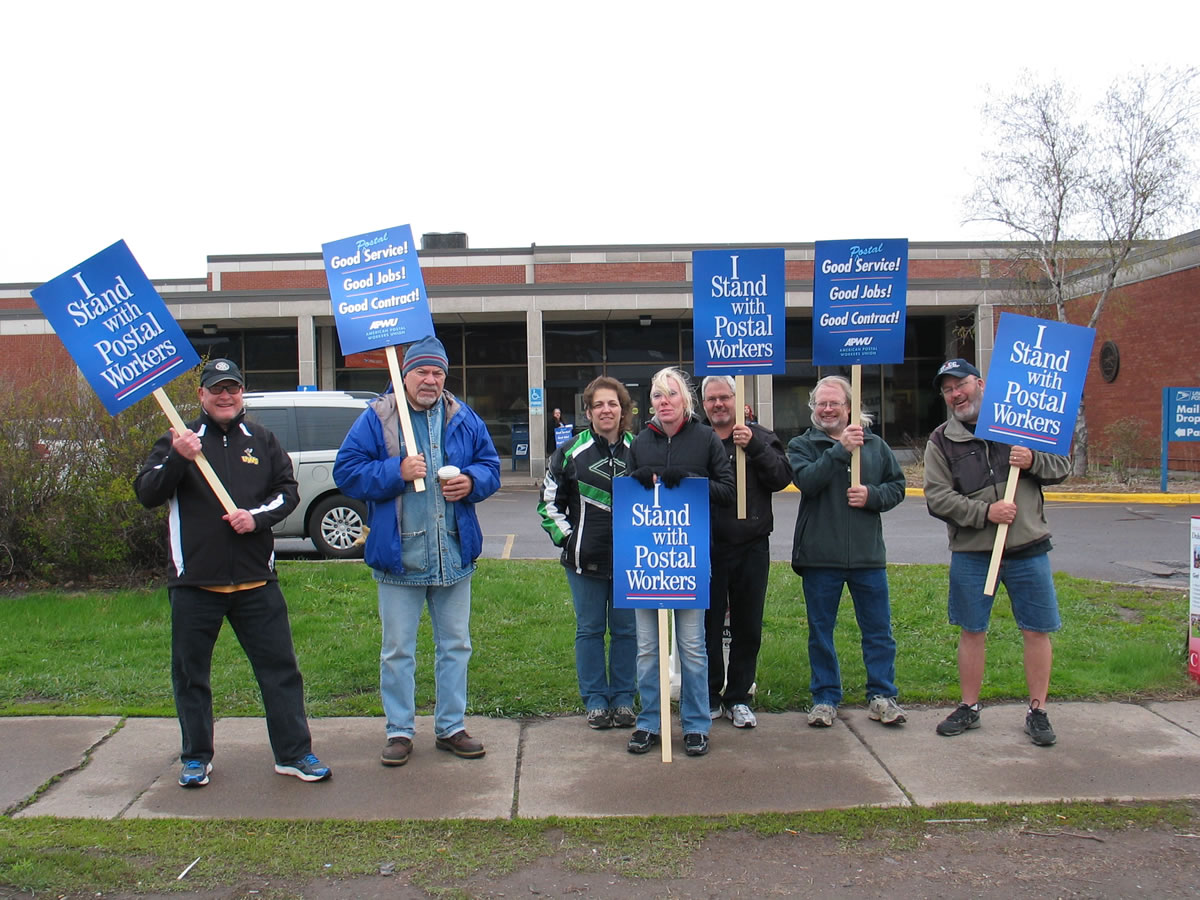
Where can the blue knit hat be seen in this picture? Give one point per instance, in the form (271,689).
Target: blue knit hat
(428,351)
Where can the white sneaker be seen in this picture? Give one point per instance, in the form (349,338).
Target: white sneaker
(715,712)
(822,715)
(886,710)
(742,716)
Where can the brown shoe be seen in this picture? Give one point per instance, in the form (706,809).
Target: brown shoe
(461,744)
(396,752)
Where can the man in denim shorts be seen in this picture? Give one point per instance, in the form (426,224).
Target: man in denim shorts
(964,487)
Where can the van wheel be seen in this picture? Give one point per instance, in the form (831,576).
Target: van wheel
(336,526)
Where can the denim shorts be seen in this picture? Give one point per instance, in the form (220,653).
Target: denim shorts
(1029,584)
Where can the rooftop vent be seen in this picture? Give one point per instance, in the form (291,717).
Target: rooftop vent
(450,240)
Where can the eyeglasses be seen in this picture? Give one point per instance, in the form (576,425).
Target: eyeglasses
(829,404)
(229,388)
(718,398)
(948,389)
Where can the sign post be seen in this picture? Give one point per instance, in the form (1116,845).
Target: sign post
(379,300)
(1194,604)
(860,301)
(739,301)
(661,561)
(1181,420)
(1032,394)
(122,337)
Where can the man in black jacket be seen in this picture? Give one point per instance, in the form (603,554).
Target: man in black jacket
(222,565)
(741,555)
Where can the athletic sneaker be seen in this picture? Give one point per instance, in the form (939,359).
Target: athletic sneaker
(623,717)
(194,773)
(741,716)
(641,741)
(1037,726)
(599,718)
(307,769)
(886,710)
(822,715)
(695,743)
(715,712)
(962,719)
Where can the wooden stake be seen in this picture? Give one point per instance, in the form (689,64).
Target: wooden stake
(410,441)
(739,457)
(205,466)
(664,683)
(855,418)
(1010,491)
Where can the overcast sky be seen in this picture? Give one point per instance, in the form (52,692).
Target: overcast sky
(254,127)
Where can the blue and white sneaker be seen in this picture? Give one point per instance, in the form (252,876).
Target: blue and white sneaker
(307,769)
(194,773)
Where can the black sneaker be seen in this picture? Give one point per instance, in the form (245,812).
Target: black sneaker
(623,717)
(641,741)
(1037,726)
(599,718)
(695,744)
(962,719)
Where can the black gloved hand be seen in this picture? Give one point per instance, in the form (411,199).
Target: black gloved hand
(644,476)
(671,476)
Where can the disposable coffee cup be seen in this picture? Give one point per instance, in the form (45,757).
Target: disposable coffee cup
(445,473)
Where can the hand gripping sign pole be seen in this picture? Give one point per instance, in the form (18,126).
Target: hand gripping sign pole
(379,300)
(121,335)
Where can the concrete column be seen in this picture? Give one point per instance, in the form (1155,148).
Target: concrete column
(534,340)
(327,377)
(985,335)
(306,349)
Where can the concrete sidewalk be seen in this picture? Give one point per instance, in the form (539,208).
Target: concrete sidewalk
(112,768)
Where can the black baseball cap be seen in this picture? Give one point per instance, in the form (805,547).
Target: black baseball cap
(218,370)
(959,368)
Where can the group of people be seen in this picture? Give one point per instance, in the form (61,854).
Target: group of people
(422,546)
(838,544)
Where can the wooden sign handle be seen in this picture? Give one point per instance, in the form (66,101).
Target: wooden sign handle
(206,468)
(664,683)
(855,418)
(739,457)
(1010,491)
(410,441)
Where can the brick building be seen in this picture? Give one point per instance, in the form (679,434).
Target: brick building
(552,318)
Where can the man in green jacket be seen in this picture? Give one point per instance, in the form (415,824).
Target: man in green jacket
(839,542)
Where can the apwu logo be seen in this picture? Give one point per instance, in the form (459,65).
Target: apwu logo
(859,341)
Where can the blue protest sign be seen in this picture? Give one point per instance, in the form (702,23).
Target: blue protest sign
(116,327)
(660,545)
(739,300)
(1033,387)
(860,297)
(376,289)
(562,434)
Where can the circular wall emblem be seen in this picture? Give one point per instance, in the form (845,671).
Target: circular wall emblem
(1110,361)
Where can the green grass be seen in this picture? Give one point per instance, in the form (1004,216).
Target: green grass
(107,653)
(42,855)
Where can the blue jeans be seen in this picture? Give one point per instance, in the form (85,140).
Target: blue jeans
(602,686)
(693,670)
(450,614)
(1029,583)
(872,609)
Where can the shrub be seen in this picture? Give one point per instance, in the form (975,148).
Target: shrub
(1125,441)
(67,507)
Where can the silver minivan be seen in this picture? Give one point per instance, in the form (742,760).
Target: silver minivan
(311,425)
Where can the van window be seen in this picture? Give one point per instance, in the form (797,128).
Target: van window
(324,428)
(275,418)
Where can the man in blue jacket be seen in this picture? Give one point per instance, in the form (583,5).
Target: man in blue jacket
(422,545)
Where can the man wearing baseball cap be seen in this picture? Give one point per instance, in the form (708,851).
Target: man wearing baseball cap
(222,566)
(965,479)
(422,545)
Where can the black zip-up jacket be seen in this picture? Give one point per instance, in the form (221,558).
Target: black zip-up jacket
(203,549)
(767,471)
(695,449)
